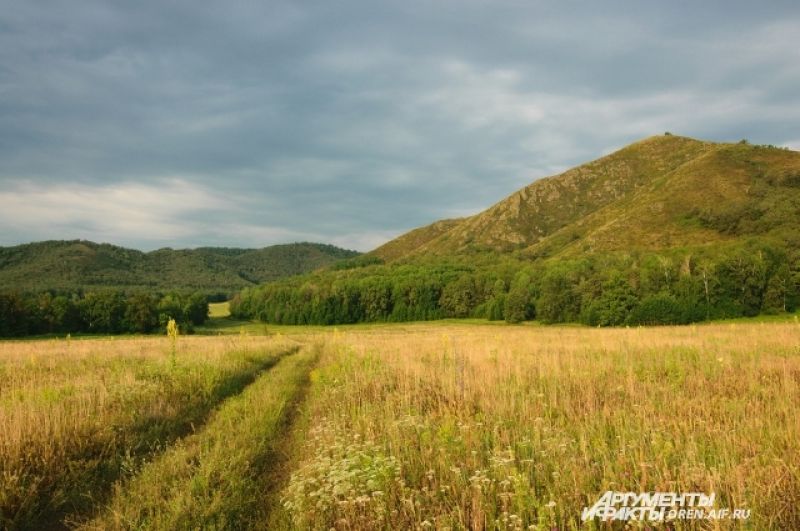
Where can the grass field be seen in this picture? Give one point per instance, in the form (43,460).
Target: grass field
(218,310)
(446,425)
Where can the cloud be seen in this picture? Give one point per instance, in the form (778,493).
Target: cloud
(367,240)
(122,211)
(195,123)
(149,216)
(794,145)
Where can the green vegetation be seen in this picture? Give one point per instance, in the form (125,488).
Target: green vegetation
(415,239)
(219,310)
(465,423)
(669,230)
(215,478)
(659,193)
(71,266)
(99,312)
(78,416)
(676,287)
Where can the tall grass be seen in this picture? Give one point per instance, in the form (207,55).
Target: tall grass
(215,478)
(442,426)
(77,415)
(517,428)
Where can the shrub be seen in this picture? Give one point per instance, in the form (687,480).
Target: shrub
(658,309)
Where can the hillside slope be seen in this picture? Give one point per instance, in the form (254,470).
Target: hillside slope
(668,230)
(661,192)
(76,264)
(413,240)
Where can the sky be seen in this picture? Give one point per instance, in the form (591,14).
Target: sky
(160,123)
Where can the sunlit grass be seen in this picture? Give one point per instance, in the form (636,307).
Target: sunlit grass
(474,427)
(444,425)
(227,325)
(218,310)
(76,415)
(215,478)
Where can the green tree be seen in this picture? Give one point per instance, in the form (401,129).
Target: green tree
(780,291)
(141,313)
(518,305)
(746,279)
(558,300)
(66,314)
(13,315)
(657,309)
(103,311)
(459,297)
(616,302)
(496,308)
(376,297)
(170,307)
(195,309)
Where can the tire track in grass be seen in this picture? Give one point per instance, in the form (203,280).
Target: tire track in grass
(276,476)
(89,478)
(216,478)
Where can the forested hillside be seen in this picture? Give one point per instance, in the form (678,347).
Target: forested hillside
(666,230)
(59,287)
(80,265)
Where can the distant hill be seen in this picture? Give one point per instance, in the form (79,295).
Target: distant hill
(69,265)
(661,192)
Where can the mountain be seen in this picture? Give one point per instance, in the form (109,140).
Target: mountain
(661,192)
(668,230)
(68,265)
(415,239)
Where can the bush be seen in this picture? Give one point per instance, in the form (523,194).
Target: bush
(659,309)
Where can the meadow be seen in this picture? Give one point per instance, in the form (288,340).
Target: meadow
(445,425)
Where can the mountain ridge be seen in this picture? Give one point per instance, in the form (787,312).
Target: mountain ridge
(72,264)
(667,230)
(659,192)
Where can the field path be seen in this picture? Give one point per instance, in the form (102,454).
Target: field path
(277,474)
(152,437)
(217,478)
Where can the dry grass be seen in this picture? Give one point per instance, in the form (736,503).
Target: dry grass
(486,428)
(215,479)
(77,415)
(444,426)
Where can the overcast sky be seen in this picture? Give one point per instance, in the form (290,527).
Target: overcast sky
(157,123)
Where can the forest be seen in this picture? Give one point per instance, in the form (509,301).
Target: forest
(99,312)
(674,287)
(74,265)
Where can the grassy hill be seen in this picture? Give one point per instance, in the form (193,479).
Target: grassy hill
(667,230)
(410,241)
(68,265)
(659,193)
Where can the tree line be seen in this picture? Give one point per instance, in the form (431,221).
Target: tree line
(605,290)
(98,312)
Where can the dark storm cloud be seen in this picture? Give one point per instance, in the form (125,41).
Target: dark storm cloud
(197,123)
